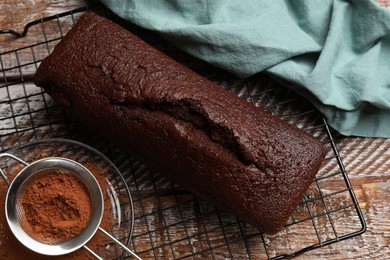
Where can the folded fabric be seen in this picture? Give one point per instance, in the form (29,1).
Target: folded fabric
(334,52)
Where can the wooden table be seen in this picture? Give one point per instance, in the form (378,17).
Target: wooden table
(367,160)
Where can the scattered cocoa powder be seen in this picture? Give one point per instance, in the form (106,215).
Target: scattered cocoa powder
(11,248)
(57,207)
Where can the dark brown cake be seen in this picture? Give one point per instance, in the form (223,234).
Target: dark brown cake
(211,142)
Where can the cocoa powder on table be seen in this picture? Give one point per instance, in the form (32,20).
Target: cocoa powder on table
(57,207)
(11,248)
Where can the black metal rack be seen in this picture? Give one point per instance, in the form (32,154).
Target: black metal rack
(170,222)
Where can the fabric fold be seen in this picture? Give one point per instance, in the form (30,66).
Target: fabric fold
(335,52)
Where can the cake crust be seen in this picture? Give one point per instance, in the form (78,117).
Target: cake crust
(202,137)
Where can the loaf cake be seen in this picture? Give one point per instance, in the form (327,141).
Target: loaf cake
(199,135)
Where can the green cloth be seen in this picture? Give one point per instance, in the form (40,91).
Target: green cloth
(335,52)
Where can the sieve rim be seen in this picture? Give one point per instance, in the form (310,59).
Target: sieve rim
(70,245)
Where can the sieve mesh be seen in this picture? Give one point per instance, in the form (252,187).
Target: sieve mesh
(117,223)
(49,205)
(56,208)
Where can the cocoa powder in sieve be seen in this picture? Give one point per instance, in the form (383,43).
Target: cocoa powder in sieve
(11,248)
(57,207)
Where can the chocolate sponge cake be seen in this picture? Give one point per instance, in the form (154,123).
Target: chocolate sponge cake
(199,135)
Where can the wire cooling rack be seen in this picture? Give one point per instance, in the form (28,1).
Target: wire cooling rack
(170,222)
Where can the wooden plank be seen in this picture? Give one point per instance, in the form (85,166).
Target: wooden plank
(15,14)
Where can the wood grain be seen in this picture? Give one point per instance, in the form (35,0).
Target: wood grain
(15,14)
(367,162)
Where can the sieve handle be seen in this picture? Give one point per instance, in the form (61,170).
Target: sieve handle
(93,253)
(12,157)
(119,243)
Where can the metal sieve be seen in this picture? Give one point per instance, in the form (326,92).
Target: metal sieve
(14,212)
